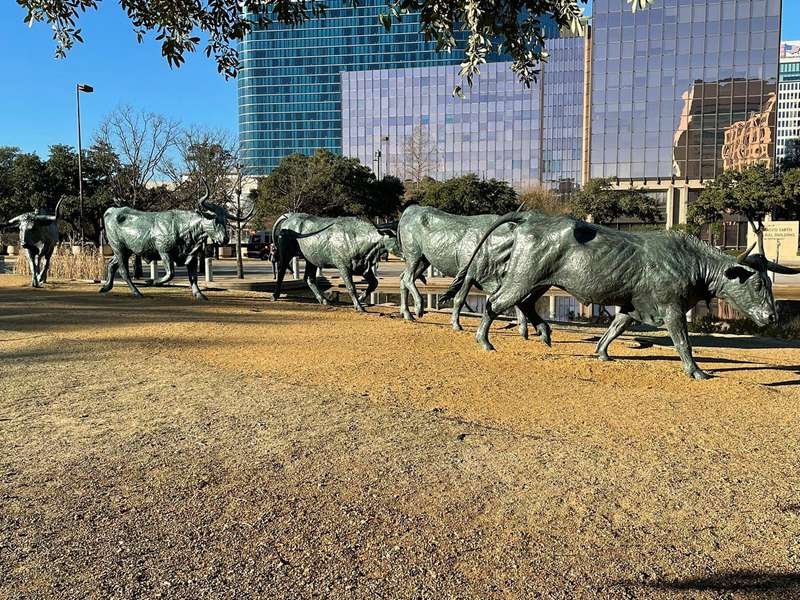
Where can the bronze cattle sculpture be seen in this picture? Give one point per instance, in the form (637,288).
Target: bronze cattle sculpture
(430,237)
(655,278)
(173,236)
(348,244)
(38,235)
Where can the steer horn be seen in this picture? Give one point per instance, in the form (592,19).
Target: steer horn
(58,206)
(244,219)
(203,204)
(776,268)
(742,258)
(54,217)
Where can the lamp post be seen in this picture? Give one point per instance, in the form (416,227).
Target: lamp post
(87,89)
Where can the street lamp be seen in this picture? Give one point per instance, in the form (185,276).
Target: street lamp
(87,89)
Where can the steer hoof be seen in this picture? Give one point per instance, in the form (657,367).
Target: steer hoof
(408,317)
(604,357)
(457,326)
(486,345)
(700,374)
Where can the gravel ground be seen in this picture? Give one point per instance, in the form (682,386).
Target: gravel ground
(249,448)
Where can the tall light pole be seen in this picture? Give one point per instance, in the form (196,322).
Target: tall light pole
(81,87)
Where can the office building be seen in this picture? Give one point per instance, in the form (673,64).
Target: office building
(406,122)
(289,81)
(663,99)
(788,128)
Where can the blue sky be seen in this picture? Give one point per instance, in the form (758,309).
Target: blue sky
(37,106)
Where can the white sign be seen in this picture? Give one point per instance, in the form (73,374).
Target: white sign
(780,240)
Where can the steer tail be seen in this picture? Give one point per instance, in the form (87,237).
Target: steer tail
(512,217)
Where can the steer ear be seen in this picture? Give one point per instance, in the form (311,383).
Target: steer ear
(738,272)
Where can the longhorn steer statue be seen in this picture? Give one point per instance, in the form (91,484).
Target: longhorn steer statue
(654,278)
(431,237)
(38,234)
(173,236)
(349,244)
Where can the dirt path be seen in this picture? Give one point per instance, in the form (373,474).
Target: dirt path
(165,447)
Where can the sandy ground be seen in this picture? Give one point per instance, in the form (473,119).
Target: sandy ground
(250,448)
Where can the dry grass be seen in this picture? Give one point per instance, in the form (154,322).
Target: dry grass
(90,264)
(248,447)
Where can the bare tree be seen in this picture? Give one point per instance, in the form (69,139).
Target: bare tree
(142,140)
(203,157)
(212,157)
(420,156)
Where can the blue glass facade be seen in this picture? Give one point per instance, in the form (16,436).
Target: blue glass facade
(684,89)
(289,81)
(405,122)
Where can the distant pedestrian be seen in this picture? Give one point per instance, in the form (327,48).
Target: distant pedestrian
(273,258)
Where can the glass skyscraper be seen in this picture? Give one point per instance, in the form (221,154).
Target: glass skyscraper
(663,99)
(684,89)
(391,117)
(289,80)
(788,103)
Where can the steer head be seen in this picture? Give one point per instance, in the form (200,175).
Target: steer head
(216,219)
(746,284)
(29,224)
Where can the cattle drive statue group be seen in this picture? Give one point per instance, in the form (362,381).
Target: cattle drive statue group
(653,278)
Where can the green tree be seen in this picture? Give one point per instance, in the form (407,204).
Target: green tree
(62,171)
(604,204)
(324,184)
(509,27)
(470,195)
(386,198)
(8,156)
(753,192)
(790,183)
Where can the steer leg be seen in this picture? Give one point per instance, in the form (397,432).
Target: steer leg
(44,269)
(169,269)
(620,323)
(419,309)
(522,323)
(679,332)
(496,304)
(482,335)
(372,285)
(126,274)
(34,267)
(111,271)
(407,284)
(347,277)
(191,269)
(458,303)
(311,280)
(528,308)
(285,255)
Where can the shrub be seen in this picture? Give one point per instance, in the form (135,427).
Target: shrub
(788,330)
(65,265)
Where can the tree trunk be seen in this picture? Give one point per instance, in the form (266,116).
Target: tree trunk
(239,263)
